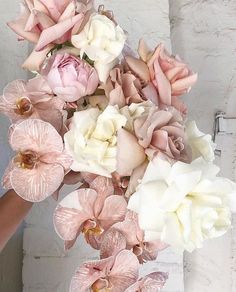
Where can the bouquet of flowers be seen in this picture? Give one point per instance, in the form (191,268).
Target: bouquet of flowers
(111,122)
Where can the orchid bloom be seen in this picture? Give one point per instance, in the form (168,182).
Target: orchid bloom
(144,250)
(153,282)
(45,23)
(90,211)
(114,274)
(33,99)
(38,169)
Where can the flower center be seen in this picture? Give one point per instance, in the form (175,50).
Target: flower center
(101,285)
(23,106)
(91,227)
(26,160)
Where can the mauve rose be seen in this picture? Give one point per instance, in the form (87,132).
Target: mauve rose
(161,131)
(70,77)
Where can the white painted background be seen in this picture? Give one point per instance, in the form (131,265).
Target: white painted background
(203,32)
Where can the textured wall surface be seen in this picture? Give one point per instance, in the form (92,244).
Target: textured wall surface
(203,32)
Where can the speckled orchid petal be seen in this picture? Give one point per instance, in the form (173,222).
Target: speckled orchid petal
(35,135)
(72,212)
(151,283)
(89,273)
(104,187)
(42,181)
(113,211)
(113,242)
(124,271)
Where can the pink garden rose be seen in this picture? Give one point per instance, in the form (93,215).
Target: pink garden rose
(90,211)
(123,88)
(153,282)
(169,74)
(161,131)
(32,99)
(46,23)
(70,77)
(115,274)
(39,166)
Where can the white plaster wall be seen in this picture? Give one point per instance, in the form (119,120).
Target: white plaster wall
(11,56)
(204,33)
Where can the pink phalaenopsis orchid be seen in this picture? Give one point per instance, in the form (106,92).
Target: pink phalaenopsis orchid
(90,211)
(46,23)
(134,236)
(32,99)
(115,274)
(39,166)
(151,283)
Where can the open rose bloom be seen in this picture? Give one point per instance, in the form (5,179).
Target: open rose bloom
(112,124)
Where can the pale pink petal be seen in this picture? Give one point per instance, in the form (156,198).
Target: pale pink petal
(129,154)
(37,184)
(104,187)
(136,175)
(18,26)
(43,19)
(113,242)
(14,90)
(139,67)
(124,271)
(150,93)
(37,136)
(36,59)
(184,83)
(114,210)
(89,273)
(162,84)
(55,32)
(56,7)
(72,212)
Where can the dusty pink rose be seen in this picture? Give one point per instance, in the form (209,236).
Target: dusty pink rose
(134,236)
(153,282)
(38,169)
(31,99)
(70,77)
(115,274)
(161,131)
(169,74)
(90,211)
(45,23)
(123,88)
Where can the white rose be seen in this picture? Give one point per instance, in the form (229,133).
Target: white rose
(92,140)
(183,204)
(201,144)
(102,41)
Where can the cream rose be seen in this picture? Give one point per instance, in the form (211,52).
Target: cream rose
(92,140)
(183,204)
(201,144)
(102,41)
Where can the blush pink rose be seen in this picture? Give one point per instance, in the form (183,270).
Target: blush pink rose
(46,23)
(169,74)
(161,131)
(70,77)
